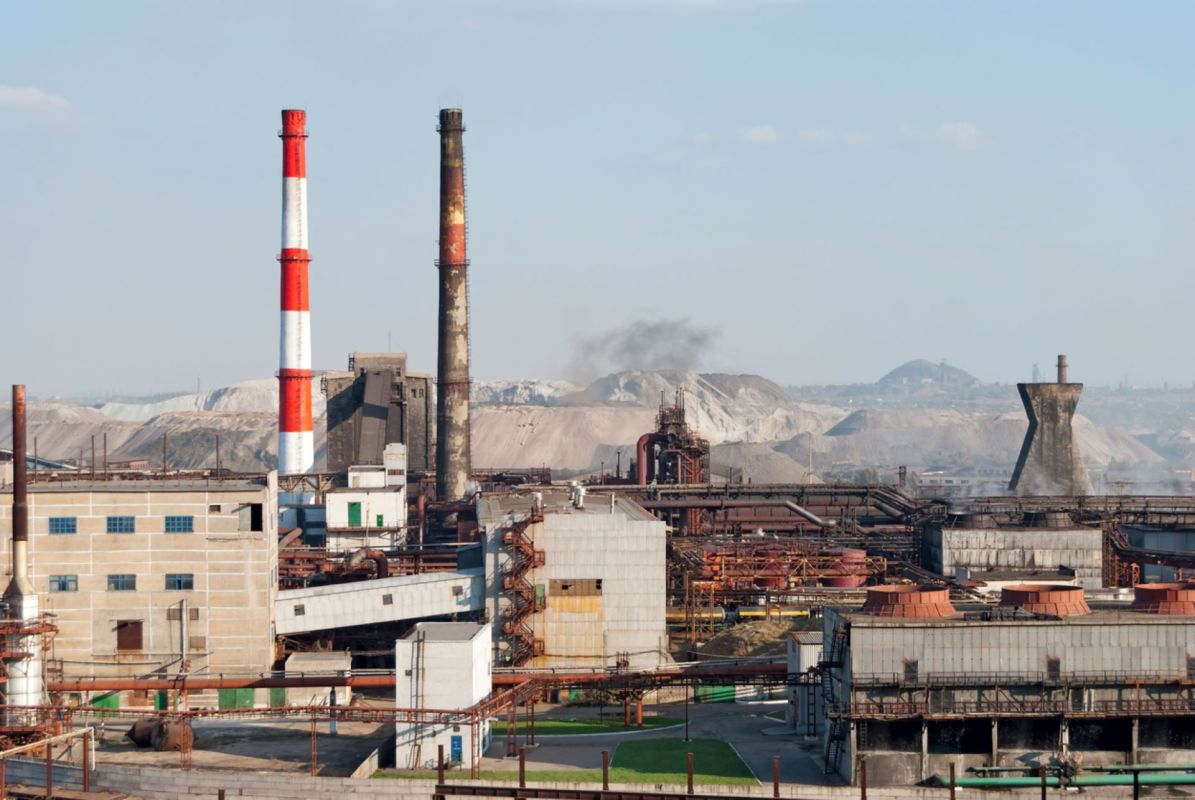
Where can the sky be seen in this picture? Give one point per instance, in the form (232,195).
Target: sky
(814,191)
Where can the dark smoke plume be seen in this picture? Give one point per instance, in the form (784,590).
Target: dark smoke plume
(660,344)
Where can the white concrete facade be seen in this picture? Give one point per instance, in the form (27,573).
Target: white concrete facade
(1013,549)
(443,666)
(143,576)
(339,605)
(602,581)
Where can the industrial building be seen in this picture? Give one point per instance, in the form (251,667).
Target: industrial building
(371,511)
(975,547)
(574,580)
(914,683)
(378,402)
(157,575)
(444,666)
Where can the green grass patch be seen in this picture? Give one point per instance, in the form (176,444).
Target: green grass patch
(648,761)
(573,727)
(664,761)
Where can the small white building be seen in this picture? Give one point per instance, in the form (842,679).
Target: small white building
(372,510)
(443,666)
(805,705)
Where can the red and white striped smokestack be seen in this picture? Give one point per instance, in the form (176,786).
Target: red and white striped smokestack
(296,443)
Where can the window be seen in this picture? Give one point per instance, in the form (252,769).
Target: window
(174,613)
(300,610)
(123,582)
(214,509)
(180,524)
(122,524)
(128,634)
(387,599)
(63,525)
(180,581)
(64,583)
(1053,669)
(910,671)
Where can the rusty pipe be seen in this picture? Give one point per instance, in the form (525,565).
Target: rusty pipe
(718,504)
(191,683)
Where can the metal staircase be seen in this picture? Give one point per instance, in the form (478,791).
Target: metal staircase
(524,601)
(832,659)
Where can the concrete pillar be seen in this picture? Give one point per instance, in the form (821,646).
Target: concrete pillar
(924,751)
(1136,731)
(853,741)
(995,743)
(1064,736)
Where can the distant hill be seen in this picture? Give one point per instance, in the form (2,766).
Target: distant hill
(920,372)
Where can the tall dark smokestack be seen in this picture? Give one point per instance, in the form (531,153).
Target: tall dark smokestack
(23,662)
(20,503)
(452,395)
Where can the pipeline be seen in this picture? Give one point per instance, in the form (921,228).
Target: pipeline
(716,504)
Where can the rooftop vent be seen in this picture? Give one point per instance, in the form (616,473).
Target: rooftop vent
(1165,598)
(1056,601)
(915,602)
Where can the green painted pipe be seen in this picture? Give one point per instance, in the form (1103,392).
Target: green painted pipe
(1148,779)
(1143,768)
(996,783)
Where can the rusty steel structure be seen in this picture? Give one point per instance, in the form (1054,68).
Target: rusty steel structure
(523,599)
(452,379)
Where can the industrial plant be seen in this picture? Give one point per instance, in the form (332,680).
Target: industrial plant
(1038,634)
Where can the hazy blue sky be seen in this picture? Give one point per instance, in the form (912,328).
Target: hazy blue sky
(832,188)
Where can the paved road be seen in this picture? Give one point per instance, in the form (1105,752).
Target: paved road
(740,725)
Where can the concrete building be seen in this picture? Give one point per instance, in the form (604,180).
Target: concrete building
(806,709)
(444,666)
(1028,682)
(973,547)
(574,584)
(372,510)
(377,402)
(1050,463)
(155,576)
(318,663)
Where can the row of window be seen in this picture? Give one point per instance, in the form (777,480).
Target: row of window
(172,524)
(125,582)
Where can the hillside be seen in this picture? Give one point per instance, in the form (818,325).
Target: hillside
(758,430)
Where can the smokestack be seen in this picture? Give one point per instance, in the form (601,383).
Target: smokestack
(1062,369)
(296,443)
(452,395)
(20,489)
(24,686)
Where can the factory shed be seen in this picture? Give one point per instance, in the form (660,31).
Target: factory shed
(1039,679)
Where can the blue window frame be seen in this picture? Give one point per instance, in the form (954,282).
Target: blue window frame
(122,524)
(180,581)
(180,524)
(64,525)
(64,583)
(124,582)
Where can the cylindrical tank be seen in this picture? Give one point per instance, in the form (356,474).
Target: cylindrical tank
(905,600)
(1054,600)
(1165,598)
